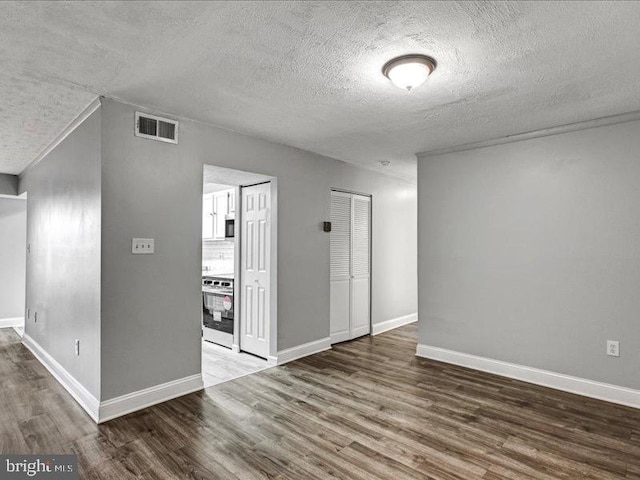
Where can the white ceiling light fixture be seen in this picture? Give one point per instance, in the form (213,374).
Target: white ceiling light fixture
(409,71)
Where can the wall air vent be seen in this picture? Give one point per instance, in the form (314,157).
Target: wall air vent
(156,128)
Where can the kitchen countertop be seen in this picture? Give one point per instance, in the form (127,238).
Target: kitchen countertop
(209,273)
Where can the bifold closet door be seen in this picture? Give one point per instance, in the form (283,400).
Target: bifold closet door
(350,266)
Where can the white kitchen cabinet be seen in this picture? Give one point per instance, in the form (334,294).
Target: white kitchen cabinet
(215,208)
(220,211)
(207,216)
(231,196)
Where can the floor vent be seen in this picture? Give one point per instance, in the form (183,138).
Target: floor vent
(156,128)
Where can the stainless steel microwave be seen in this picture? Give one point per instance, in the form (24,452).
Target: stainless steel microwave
(229,228)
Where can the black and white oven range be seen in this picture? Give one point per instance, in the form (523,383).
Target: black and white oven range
(217,310)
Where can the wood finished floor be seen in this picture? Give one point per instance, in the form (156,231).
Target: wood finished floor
(368,409)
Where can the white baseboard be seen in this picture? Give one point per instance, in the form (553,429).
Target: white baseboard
(81,395)
(558,381)
(131,402)
(11,322)
(393,323)
(303,350)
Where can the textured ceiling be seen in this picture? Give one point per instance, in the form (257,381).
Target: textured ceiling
(308,73)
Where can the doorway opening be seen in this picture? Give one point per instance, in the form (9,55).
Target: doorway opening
(13,261)
(239,240)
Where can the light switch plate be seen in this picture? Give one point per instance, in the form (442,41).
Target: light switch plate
(142,246)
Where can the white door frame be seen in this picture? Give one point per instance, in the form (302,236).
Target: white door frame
(371,242)
(273,295)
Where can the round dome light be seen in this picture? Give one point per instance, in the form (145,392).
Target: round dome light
(409,71)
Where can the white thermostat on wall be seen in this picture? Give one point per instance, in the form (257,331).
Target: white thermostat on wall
(143,246)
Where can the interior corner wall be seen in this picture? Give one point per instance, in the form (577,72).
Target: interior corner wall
(13,245)
(8,184)
(529,252)
(63,266)
(151,304)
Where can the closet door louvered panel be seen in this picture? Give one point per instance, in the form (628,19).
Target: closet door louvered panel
(340,275)
(340,235)
(360,266)
(361,235)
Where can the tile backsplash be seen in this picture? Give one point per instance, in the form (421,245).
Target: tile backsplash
(218,256)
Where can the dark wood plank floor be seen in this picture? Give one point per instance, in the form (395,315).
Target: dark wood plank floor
(367,409)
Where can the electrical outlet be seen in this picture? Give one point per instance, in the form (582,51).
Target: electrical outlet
(77,346)
(144,246)
(613,348)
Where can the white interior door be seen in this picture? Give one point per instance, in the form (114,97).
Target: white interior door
(340,275)
(360,266)
(350,279)
(255,269)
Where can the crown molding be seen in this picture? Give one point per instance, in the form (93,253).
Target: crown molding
(75,123)
(545,132)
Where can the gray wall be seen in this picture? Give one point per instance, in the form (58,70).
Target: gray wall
(530,252)
(151,304)
(13,242)
(63,268)
(8,184)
